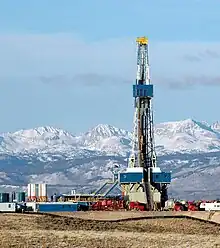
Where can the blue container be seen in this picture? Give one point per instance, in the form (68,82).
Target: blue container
(143,90)
(131,177)
(57,207)
(161,177)
(4,197)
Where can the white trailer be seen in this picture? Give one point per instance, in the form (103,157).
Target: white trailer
(7,207)
(11,207)
(210,206)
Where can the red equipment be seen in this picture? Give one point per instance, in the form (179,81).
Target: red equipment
(188,206)
(192,206)
(136,206)
(178,206)
(108,204)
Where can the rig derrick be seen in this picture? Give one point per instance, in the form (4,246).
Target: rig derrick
(143,181)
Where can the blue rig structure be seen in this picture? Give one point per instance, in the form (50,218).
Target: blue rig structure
(143,181)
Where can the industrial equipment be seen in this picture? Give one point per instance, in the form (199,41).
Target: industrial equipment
(180,206)
(143,181)
(37,192)
(108,204)
(186,206)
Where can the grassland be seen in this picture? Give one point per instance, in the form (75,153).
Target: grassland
(25,230)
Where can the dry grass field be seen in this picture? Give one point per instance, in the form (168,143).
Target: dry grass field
(23,230)
(118,215)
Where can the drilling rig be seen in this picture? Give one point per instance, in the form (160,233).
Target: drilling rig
(143,181)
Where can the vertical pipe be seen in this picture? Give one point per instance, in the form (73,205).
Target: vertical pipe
(45,190)
(29,191)
(33,191)
(42,190)
(38,191)
(139,134)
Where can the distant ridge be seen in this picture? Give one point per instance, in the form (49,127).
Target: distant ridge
(180,136)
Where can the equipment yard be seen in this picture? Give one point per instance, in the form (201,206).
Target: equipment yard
(53,230)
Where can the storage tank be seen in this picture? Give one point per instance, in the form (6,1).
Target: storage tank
(20,196)
(29,191)
(36,189)
(33,191)
(4,197)
(44,190)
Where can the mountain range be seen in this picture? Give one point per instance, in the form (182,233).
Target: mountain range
(188,148)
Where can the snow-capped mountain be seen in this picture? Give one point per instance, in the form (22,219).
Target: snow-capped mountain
(187,136)
(181,136)
(34,139)
(189,148)
(103,138)
(106,138)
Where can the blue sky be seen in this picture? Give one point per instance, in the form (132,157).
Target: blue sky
(71,64)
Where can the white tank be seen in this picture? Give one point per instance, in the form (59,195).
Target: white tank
(37,190)
(43,190)
(33,191)
(29,190)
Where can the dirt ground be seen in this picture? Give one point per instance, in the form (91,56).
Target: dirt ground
(23,230)
(115,215)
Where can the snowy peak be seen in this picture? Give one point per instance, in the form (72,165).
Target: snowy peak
(188,126)
(35,139)
(216,126)
(107,138)
(41,131)
(187,136)
(180,136)
(105,131)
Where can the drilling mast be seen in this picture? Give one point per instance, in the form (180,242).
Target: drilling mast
(143,181)
(143,144)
